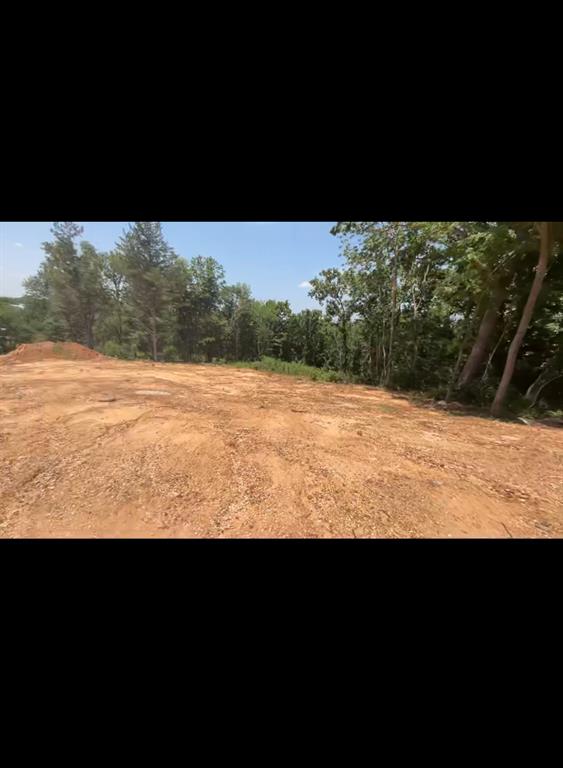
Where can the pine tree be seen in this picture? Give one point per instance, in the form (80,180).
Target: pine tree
(72,284)
(148,262)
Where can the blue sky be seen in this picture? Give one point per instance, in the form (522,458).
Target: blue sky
(274,258)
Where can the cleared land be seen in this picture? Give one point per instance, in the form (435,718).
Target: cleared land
(103,448)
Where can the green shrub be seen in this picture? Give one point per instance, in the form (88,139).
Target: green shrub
(114,349)
(170,354)
(274,365)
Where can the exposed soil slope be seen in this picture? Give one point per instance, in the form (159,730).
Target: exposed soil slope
(49,350)
(108,448)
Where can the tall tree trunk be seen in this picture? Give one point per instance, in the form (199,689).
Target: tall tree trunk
(491,356)
(478,353)
(545,378)
(384,365)
(119,325)
(546,243)
(462,346)
(373,360)
(154,339)
(344,333)
(416,339)
(389,375)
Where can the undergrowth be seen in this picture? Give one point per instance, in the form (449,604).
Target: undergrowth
(274,365)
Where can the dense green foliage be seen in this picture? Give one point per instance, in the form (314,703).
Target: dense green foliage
(13,327)
(275,365)
(451,308)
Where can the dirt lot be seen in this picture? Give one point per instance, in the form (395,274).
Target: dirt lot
(100,448)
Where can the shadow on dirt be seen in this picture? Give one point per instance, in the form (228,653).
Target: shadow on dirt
(455,408)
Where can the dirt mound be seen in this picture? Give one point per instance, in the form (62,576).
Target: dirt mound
(49,350)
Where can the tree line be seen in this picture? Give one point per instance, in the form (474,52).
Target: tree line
(143,301)
(471,310)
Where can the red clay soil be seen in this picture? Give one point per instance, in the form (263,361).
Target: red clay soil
(49,350)
(109,448)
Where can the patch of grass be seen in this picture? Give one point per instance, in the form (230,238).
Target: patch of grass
(274,365)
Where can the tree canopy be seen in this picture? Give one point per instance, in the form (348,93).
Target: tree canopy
(464,310)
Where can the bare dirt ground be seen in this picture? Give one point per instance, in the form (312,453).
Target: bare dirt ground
(104,448)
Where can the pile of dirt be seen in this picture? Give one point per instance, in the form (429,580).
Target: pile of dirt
(50,350)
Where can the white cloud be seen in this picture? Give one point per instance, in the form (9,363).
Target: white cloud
(18,245)
(305,284)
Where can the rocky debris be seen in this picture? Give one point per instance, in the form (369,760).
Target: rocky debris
(106,399)
(452,406)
